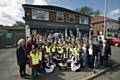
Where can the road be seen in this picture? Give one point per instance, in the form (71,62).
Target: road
(9,68)
(113,74)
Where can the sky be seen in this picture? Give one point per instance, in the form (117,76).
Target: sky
(12,10)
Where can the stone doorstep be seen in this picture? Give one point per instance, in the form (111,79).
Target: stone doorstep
(99,73)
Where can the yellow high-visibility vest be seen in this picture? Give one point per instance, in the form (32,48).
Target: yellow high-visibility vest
(76,51)
(40,56)
(72,50)
(67,49)
(53,49)
(60,50)
(48,49)
(35,58)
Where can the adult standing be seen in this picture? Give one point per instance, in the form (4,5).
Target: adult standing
(29,45)
(29,48)
(21,54)
(85,55)
(105,52)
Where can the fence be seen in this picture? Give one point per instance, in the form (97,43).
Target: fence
(9,38)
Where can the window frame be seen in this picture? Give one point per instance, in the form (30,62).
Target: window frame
(71,16)
(37,12)
(57,14)
(86,20)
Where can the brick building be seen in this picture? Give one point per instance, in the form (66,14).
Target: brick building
(47,18)
(112,27)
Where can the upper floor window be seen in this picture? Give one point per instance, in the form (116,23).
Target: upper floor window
(40,14)
(60,17)
(83,20)
(72,18)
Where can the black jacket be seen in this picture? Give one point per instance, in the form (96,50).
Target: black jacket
(21,54)
(107,49)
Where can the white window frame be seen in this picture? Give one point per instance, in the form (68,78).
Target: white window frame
(37,13)
(71,16)
(57,14)
(86,20)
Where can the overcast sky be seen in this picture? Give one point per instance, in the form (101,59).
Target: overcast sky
(11,10)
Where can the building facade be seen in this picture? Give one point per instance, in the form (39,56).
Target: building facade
(112,27)
(47,18)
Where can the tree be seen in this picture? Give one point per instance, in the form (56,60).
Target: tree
(97,13)
(88,11)
(85,10)
(19,24)
(1,25)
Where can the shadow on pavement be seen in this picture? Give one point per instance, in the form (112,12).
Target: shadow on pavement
(115,69)
(86,70)
(56,75)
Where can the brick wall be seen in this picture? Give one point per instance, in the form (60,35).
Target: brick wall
(97,28)
(28,13)
(52,16)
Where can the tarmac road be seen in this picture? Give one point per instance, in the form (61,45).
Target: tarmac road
(9,68)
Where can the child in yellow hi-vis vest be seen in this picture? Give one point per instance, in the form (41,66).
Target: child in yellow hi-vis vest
(34,55)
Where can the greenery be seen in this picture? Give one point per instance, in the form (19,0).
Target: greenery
(88,11)
(18,24)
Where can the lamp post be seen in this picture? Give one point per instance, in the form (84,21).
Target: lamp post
(90,34)
(105,9)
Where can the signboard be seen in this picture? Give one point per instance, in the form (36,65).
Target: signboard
(34,32)
(27,29)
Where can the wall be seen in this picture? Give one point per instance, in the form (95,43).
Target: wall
(16,35)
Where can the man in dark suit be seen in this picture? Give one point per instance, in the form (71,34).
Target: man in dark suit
(105,52)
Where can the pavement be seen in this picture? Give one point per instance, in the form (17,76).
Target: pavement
(9,68)
(113,74)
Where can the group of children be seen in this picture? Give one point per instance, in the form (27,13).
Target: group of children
(65,53)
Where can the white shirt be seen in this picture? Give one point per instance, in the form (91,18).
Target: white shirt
(90,51)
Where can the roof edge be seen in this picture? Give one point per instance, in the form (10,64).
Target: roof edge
(25,5)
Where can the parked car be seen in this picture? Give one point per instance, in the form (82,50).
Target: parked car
(114,41)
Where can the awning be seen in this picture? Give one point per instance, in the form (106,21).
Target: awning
(57,25)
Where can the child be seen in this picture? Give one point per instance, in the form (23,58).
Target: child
(34,55)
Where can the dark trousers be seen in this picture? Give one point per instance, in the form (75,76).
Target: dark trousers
(102,60)
(22,70)
(34,71)
(90,61)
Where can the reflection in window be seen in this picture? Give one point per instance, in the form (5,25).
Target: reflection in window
(83,20)
(72,18)
(60,17)
(40,14)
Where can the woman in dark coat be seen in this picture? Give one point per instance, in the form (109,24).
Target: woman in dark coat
(21,54)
